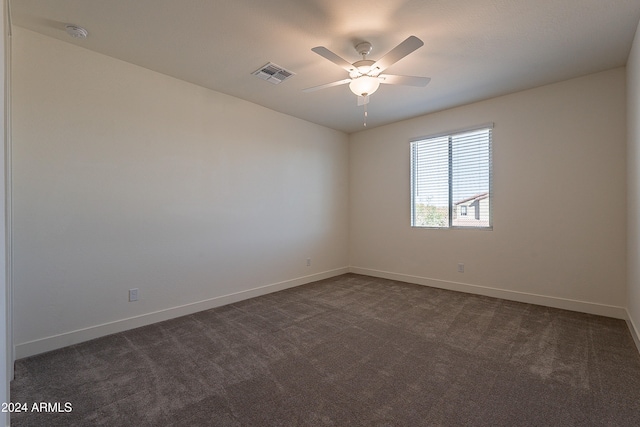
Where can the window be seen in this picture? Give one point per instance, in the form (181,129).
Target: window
(451,179)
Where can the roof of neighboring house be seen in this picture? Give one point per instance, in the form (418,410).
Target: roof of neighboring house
(473,198)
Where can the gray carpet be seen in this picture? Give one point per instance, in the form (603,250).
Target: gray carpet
(347,351)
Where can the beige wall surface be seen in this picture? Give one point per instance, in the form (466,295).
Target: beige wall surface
(125,178)
(6,356)
(633,182)
(558,203)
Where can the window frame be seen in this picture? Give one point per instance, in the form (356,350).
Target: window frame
(451,204)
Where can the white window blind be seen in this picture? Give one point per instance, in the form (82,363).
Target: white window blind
(451,179)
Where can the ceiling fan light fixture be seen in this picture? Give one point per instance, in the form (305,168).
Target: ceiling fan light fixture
(364,85)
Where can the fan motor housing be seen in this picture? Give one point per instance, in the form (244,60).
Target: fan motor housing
(364,48)
(362,68)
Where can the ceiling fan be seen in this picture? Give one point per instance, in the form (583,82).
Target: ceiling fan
(365,75)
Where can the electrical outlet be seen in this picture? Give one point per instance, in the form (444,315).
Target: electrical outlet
(133,294)
(460,267)
(308,262)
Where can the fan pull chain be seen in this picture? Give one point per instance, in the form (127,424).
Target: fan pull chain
(365,115)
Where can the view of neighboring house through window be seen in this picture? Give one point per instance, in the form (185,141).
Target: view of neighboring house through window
(451,180)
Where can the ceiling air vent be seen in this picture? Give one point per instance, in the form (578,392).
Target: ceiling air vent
(273,73)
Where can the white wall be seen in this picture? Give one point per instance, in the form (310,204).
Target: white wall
(559,200)
(126,178)
(6,354)
(633,182)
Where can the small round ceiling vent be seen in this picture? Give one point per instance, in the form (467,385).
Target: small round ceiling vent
(76,32)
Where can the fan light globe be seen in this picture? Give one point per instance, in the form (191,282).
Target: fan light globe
(364,85)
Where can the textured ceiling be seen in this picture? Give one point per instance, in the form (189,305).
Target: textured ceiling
(474,49)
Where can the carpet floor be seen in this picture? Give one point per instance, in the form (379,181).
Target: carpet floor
(347,351)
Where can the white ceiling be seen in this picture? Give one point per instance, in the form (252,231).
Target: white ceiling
(474,49)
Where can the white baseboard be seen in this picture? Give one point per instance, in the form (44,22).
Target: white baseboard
(555,302)
(74,337)
(635,332)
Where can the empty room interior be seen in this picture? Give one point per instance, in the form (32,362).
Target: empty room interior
(210,221)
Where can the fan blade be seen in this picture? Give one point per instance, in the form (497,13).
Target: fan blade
(362,100)
(326,53)
(396,54)
(324,86)
(404,80)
